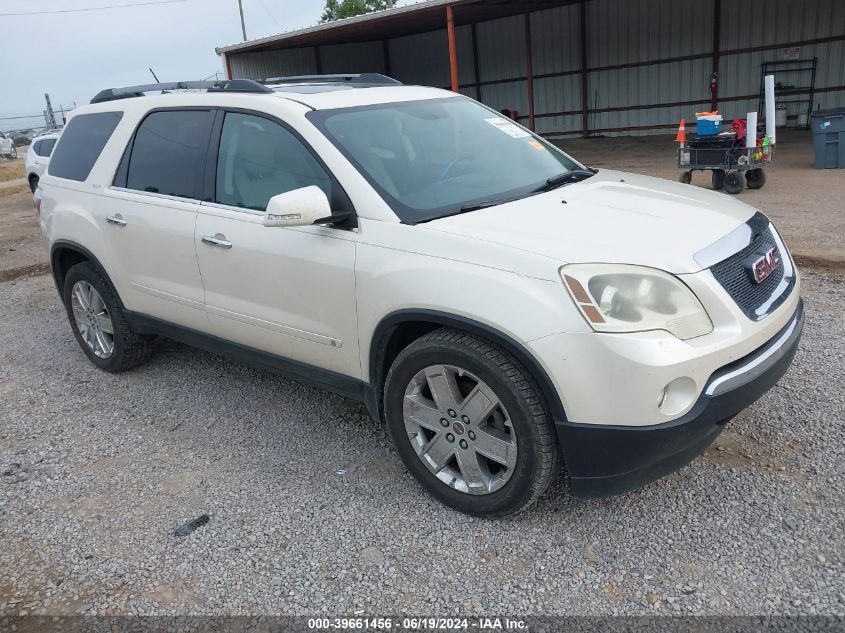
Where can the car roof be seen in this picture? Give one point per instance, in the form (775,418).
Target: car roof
(331,96)
(312,95)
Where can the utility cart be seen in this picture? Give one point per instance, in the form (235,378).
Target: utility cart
(733,167)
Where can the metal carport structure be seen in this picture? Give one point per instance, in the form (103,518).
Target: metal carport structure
(581,67)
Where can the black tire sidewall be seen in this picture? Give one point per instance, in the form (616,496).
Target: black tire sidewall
(88,273)
(734,182)
(755,179)
(717,179)
(510,497)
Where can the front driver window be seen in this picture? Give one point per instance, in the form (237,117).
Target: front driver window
(259,159)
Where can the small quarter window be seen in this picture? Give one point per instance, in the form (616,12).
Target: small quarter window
(45,147)
(168,153)
(259,159)
(82,142)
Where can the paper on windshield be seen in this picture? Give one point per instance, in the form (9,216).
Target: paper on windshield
(507,127)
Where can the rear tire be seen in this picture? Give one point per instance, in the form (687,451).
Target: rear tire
(488,446)
(755,178)
(685,177)
(717,179)
(734,182)
(33,183)
(93,309)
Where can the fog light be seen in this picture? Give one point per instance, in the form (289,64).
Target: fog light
(677,396)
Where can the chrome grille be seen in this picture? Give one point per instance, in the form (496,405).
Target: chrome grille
(735,278)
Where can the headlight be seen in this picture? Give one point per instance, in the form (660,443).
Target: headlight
(620,298)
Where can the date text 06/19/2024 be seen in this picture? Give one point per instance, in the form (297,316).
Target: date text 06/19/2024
(363,623)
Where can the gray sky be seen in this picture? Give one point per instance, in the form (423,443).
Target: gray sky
(72,56)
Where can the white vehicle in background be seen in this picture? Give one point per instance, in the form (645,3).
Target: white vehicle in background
(38,157)
(7,147)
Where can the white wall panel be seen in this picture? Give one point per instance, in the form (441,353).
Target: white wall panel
(556,39)
(423,58)
(753,23)
(501,49)
(263,64)
(558,94)
(365,57)
(625,31)
(511,96)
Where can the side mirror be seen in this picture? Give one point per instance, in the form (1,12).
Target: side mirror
(300,207)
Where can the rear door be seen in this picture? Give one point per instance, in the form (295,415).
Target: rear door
(151,215)
(288,291)
(40,155)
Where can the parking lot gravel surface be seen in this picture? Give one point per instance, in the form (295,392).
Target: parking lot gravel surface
(310,511)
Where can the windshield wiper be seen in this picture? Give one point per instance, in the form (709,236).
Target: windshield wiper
(472,207)
(567,177)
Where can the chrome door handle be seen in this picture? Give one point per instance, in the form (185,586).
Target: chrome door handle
(116,219)
(217,240)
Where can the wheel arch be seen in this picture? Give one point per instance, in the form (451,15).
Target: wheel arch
(398,329)
(65,254)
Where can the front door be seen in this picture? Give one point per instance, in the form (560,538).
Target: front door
(287,291)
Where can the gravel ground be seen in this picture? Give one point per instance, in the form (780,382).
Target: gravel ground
(312,513)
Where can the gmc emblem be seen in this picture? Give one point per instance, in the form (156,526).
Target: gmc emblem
(761,265)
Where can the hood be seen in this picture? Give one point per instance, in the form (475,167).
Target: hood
(613,217)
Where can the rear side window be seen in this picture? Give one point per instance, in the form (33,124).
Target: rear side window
(82,142)
(168,153)
(45,147)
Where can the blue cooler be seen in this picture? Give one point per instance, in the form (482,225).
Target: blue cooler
(704,127)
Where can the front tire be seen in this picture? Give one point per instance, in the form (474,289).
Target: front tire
(33,183)
(470,424)
(98,322)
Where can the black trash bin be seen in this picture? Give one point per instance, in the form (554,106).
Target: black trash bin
(829,137)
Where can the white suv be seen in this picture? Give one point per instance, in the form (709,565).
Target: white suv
(38,157)
(505,310)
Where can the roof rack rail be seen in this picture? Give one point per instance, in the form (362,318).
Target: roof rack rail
(360,78)
(229,85)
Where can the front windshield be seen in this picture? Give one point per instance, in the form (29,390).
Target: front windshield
(434,158)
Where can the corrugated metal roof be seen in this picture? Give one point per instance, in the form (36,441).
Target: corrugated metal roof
(427,15)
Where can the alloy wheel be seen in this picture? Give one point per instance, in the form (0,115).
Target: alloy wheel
(460,429)
(92,319)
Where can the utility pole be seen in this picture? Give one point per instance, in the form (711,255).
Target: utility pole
(243,24)
(51,117)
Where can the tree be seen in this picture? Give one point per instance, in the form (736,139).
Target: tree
(339,9)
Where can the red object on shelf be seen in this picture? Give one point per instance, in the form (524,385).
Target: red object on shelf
(741,128)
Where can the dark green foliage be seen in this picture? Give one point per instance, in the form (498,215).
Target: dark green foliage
(339,9)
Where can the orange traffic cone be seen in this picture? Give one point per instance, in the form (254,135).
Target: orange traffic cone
(682,132)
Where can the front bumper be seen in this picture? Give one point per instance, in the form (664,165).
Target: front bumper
(605,460)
